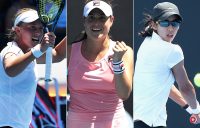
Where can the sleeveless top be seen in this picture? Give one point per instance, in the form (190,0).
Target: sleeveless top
(93,96)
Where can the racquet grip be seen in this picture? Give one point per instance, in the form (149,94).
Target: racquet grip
(48,64)
(193,120)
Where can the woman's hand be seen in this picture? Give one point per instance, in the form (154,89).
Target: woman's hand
(47,41)
(119,50)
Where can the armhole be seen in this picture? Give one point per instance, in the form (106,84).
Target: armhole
(74,50)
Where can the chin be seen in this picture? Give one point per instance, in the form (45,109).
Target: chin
(169,39)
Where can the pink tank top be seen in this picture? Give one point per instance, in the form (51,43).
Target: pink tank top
(92,87)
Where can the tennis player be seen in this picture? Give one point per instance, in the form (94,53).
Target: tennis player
(17,67)
(159,64)
(100,72)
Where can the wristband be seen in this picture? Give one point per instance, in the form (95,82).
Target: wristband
(36,51)
(194,111)
(186,106)
(197,110)
(118,67)
(189,110)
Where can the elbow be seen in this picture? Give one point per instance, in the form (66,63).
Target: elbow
(124,96)
(10,72)
(58,58)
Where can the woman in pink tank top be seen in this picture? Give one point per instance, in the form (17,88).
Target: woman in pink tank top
(100,73)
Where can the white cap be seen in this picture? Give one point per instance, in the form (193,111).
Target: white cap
(103,6)
(26,17)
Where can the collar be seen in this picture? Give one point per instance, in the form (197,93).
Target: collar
(12,43)
(155,36)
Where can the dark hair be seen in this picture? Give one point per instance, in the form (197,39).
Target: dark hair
(148,29)
(80,37)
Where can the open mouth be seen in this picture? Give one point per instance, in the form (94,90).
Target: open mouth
(96,29)
(170,35)
(35,39)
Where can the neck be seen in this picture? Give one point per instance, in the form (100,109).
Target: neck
(94,50)
(23,47)
(97,45)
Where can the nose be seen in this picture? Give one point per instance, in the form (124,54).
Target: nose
(170,28)
(96,23)
(38,31)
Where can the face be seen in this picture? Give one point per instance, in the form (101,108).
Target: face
(97,25)
(29,34)
(167,29)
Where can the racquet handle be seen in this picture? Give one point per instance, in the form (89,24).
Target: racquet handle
(48,64)
(193,120)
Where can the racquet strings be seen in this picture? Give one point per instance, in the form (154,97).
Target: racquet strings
(48,10)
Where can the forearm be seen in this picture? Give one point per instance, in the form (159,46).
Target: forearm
(176,96)
(124,81)
(16,64)
(188,92)
(122,64)
(123,85)
(185,86)
(59,52)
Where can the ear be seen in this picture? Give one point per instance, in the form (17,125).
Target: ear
(16,29)
(112,19)
(154,25)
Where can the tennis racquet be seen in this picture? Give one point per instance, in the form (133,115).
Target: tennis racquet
(49,12)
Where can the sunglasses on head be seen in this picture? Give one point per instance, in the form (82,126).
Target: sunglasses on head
(166,23)
(92,18)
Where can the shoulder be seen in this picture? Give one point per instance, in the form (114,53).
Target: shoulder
(76,44)
(175,56)
(176,49)
(74,48)
(11,48)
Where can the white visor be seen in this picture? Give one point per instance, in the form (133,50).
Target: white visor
(103,6)
(26,17)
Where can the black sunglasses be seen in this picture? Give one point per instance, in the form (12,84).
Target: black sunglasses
(166,23)
(91,18)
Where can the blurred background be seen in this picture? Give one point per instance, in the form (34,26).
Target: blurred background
(187,38)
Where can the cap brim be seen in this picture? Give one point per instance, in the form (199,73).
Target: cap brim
(27,17)
(32,19)
(168,14)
